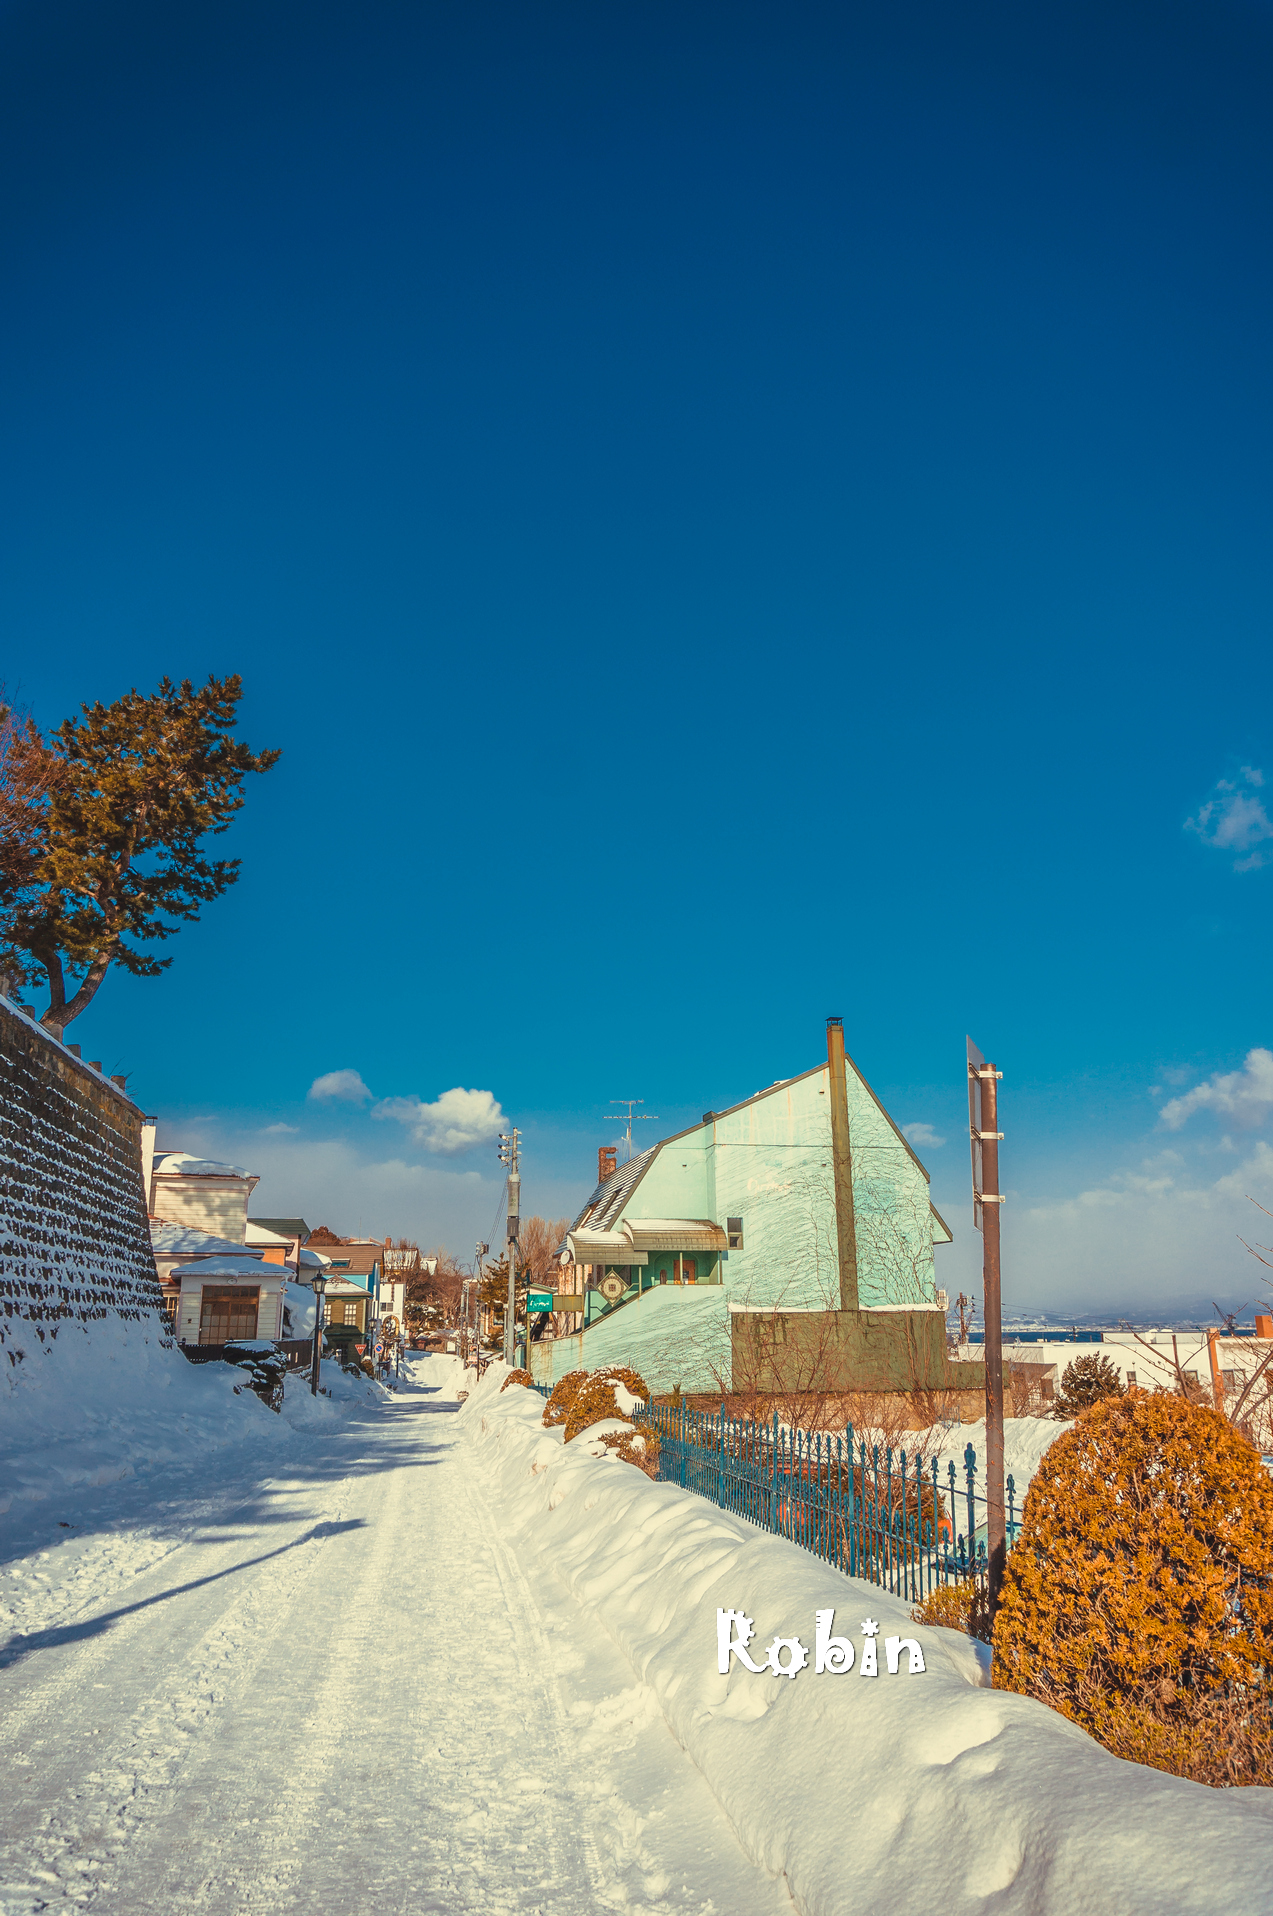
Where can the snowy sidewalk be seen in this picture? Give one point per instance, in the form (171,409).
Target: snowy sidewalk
(336,1690)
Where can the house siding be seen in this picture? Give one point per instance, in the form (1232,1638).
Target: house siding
(769,1162)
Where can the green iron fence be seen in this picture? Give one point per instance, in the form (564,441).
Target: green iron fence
(868,1510)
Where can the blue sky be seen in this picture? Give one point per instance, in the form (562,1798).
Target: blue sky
(732,514)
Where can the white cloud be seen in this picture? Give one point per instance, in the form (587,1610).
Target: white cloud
(1246,1095)
(1157,1236)
(345,1085)
(457,1121)
(330,1181)
(922,1136)
(1232,820)
(279,1130)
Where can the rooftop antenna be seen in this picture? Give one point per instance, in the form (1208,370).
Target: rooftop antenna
(634,1117)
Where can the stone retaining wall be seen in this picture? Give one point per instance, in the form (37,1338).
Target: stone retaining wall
(74,1241)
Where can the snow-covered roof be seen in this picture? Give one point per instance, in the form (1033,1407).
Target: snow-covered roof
(245,1267)
(182,1164)
(185,1240)
(257,1234)
(599,1213)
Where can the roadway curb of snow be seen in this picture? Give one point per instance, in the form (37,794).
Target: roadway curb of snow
(875,1795)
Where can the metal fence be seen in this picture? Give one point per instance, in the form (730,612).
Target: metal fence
(859,1505)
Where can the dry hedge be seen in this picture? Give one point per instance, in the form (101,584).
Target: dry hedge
(639,1447)
(564,1392)
(516,1377)
(1138,1600)
(958,1606)
(595,1398)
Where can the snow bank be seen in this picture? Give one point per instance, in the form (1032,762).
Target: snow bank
(101,1408)
(443,1374)
(1025,1441)
(883,1795)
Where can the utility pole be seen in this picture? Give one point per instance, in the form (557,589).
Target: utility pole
(510,1154)
(984,1133)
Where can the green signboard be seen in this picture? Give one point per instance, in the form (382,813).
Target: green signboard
(539,1301)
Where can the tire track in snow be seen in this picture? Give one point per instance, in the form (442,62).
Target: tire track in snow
(74,1804)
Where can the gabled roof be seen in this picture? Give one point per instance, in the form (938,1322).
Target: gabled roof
(358,1259)
(610,1196)
(608,1199)
(285,1226)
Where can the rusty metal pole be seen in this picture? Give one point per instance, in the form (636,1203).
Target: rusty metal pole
(842,1161)
(1217,1376)
(996,1520)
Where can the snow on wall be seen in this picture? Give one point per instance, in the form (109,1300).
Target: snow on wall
(74,1243)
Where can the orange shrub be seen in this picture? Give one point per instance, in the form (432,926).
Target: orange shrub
(595,1399)
(1139,1598)
(516,1377)
(957,1606)
(564,1392)
(639,1447)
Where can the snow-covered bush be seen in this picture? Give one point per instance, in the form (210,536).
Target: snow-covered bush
(612,1392)
(265,1369)
(639,1447)
(564,1392)
(517,1377)
(1139,1598)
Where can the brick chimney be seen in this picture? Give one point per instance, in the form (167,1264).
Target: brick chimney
(607,1161)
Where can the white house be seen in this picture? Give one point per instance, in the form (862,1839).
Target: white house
(216,1287)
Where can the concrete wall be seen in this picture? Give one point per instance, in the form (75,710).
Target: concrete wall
(674,1334)
(74,1243)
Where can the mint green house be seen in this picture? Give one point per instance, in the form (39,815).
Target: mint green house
(739,1215)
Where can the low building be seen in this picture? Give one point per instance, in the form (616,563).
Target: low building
(354,1277)
(224,1299)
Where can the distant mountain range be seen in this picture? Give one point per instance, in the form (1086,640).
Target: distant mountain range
(1167,1313)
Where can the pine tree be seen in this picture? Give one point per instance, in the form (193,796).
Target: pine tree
(133,790)
(1086,1382)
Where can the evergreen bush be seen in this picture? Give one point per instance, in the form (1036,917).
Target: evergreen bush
(265,1368)
(1138,1600)
(1086,1382)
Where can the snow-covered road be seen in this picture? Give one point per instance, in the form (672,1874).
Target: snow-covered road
(333,1689)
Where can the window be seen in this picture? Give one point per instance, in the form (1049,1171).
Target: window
(226,1314)
(734,1232)
(1131,1380)
(1230,1379)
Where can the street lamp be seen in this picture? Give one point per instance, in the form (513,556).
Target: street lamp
(319,1283)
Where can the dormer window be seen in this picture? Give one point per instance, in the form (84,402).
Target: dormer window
(734,1232)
